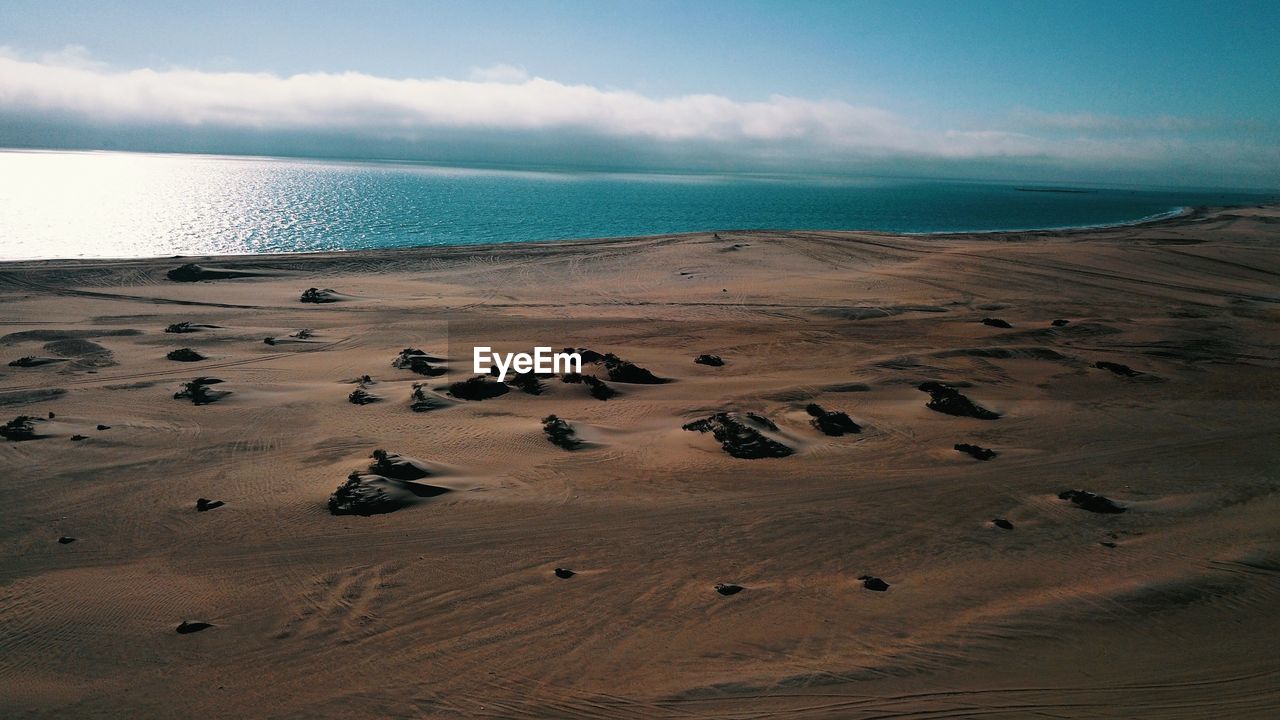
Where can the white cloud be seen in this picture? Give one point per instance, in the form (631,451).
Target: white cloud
(501,97)
(505,101)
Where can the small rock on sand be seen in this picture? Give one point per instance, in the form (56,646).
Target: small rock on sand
(104,427)
(66,540)
(1059,322)
(872,582)
(1092,501)
(564,573)
(728,588)
(975,451)
(186,627)
(712,360)
(996,323)
(1002,523)
(205,504)
(77,438)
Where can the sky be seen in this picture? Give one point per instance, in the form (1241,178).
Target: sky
(1155,93)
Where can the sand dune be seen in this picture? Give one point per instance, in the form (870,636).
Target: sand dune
(825,541)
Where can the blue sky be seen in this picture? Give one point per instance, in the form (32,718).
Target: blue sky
(1147,92)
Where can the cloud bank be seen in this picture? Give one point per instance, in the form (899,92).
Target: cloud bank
(503,114)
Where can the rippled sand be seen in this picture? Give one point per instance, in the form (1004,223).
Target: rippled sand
(449,606)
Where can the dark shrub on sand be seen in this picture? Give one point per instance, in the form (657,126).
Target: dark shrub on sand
(360,396)
(831,422)
(21,428)
(945,399)
(187,327)
(740,436)
(316,295)
(185,355)
(34,361)
(192,272)
(560,432)
(419,362)
(627,372)
(356,496)
(526,382)
(478,388)
(597,387)
(198,392)
(397,467)
(423,400)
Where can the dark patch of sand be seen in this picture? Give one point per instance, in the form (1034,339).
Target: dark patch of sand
(35,361)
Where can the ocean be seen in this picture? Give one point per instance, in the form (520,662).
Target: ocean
(109,204)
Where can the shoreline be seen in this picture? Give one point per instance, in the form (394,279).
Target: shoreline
(1184,213)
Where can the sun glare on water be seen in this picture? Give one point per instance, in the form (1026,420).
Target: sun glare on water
(125,205)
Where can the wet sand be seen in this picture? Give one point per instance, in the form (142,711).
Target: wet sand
(999,597)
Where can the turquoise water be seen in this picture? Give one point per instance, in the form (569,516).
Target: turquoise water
(66,205)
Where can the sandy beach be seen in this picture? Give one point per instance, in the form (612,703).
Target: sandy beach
(867,567)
